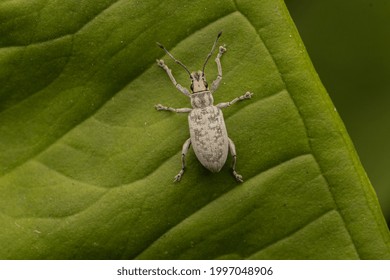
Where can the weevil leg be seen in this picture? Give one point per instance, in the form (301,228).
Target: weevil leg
(247,95)
(232,149)
(160,107)
(184,151)
(182,89)
(217,81)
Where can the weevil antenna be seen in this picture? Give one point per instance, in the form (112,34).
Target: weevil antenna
(177,61)
(212,50)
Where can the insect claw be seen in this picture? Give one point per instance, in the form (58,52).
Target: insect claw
(248,95)
(160,63)
(177,178)
(159,107)
(222,49)
(238,177)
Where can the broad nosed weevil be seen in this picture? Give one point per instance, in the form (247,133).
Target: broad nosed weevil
(207,126)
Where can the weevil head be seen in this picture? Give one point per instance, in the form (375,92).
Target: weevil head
(198,79)
(198,82)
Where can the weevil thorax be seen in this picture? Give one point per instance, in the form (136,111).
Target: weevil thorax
(201,97)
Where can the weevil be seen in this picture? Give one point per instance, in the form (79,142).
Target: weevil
(208,134)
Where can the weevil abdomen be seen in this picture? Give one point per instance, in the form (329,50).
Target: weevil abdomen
(209,137)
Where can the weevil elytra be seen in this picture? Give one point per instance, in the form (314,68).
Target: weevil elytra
(208,132)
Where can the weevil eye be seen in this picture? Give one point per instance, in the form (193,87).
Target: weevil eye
(206,84)
(192,87)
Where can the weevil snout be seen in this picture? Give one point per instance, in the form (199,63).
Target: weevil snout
(198,82)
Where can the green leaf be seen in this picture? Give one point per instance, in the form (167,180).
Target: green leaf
(350,51)
(87,163)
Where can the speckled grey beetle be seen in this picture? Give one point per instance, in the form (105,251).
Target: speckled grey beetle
(207,127)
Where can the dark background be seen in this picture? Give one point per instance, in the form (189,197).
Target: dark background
(348,42)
